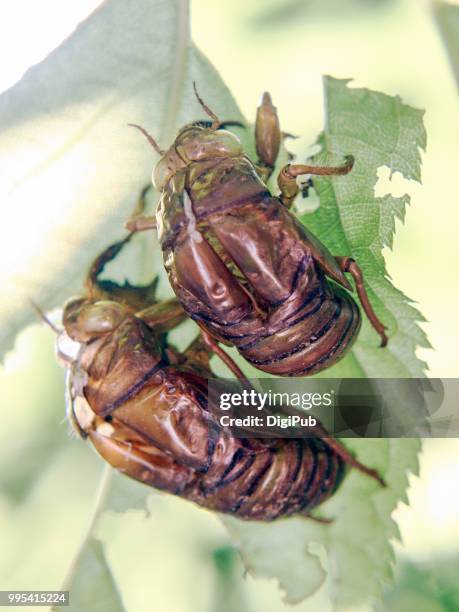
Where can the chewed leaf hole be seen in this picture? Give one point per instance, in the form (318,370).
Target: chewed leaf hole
(396,185)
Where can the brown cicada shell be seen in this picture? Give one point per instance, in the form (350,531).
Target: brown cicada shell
(242,266)
(145,408)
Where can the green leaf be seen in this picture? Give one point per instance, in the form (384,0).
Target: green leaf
(71,168)
(277,14)
(426,586)
(89,578)
(280,550)
(33,409)
(91,584)
(379,131)
(227,594)
(355,550)
(126,494)
(447,17)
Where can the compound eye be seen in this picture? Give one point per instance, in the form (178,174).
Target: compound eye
(228,143)
(161,174)
(210,144)
(83,321)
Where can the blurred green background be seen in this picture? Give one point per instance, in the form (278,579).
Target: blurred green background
(48,480)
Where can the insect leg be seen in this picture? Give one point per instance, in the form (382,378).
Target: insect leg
(267,136)
(137,222)
(347,264)
(349,458)
(112,251)
(134,296)
(319,431)
(164,316)
(140,224)
(289,173)
(102,260)
(345,454)
(318,519)
(141,203)
(201,349)
(214,347)
(198,352)
(135,455)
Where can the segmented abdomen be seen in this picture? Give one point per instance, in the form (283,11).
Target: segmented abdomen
(248,478)
(315,338)
(165,434)
(247,271)
(286,477)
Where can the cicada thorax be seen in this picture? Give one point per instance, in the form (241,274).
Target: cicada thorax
(126,374)
(247,271)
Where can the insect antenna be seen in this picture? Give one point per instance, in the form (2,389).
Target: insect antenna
(43,317)
(215,120)
(149,137)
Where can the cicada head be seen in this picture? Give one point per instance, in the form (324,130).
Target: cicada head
(195,143)
(84,321)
